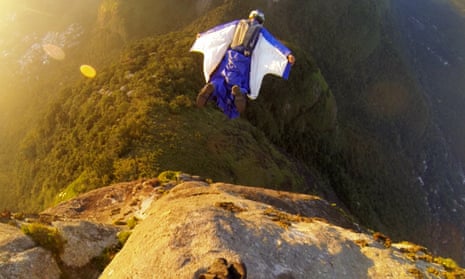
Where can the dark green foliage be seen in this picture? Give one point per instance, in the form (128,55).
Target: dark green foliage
(45,236)
(168,176)
(136,119)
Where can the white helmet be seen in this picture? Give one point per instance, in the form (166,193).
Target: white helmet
(258,16)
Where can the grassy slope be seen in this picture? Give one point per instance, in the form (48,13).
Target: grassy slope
(137,119)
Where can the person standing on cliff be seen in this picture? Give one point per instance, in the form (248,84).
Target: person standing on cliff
(237,55)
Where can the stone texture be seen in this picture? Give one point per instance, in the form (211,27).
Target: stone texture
(19,258)
(13,240)
(84,241)
(192,229)
(108,205)
(194,225)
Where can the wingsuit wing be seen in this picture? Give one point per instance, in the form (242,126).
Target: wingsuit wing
(269,57)
(213,44)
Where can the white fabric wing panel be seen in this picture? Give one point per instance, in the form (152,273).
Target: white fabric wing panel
(213,45)
(266,59)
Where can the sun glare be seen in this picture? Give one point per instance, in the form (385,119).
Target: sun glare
(7,6)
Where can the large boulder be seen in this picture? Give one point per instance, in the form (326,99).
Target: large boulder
(84,241)
(107,205)
(266,234)
(20,258)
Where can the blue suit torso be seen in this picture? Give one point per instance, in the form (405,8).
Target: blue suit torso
(234,69)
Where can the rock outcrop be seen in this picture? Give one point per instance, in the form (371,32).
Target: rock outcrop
(21,258)
(84,241)
(272,234)
(189,228)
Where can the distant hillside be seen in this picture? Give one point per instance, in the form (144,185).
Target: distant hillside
(137,118)
(353,119)
(431,43)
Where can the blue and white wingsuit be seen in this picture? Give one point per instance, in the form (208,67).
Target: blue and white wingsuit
(225,65)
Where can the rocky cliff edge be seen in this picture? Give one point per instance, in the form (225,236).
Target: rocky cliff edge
(194,229)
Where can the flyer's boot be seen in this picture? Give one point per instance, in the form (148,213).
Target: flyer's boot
(204,94)
(239,99)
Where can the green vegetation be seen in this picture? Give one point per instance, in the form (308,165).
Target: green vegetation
(80,185)
(168,176)
(45,236)
(416,252)
(136,119)
(132,222)
(123,236)
(448,263)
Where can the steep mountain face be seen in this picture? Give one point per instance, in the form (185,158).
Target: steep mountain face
(433,47)
(398,88)
(355,117)
(149,81)
(391,162)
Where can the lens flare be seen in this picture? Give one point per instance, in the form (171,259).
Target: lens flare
(54,51)
(88,71)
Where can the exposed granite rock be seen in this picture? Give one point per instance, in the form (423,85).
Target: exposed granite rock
(20,258)
(33,263)
(108,205)
(189,228)
(84,240)
(274,234)
(13,240)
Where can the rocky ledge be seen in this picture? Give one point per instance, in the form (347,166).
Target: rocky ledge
(194,229)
